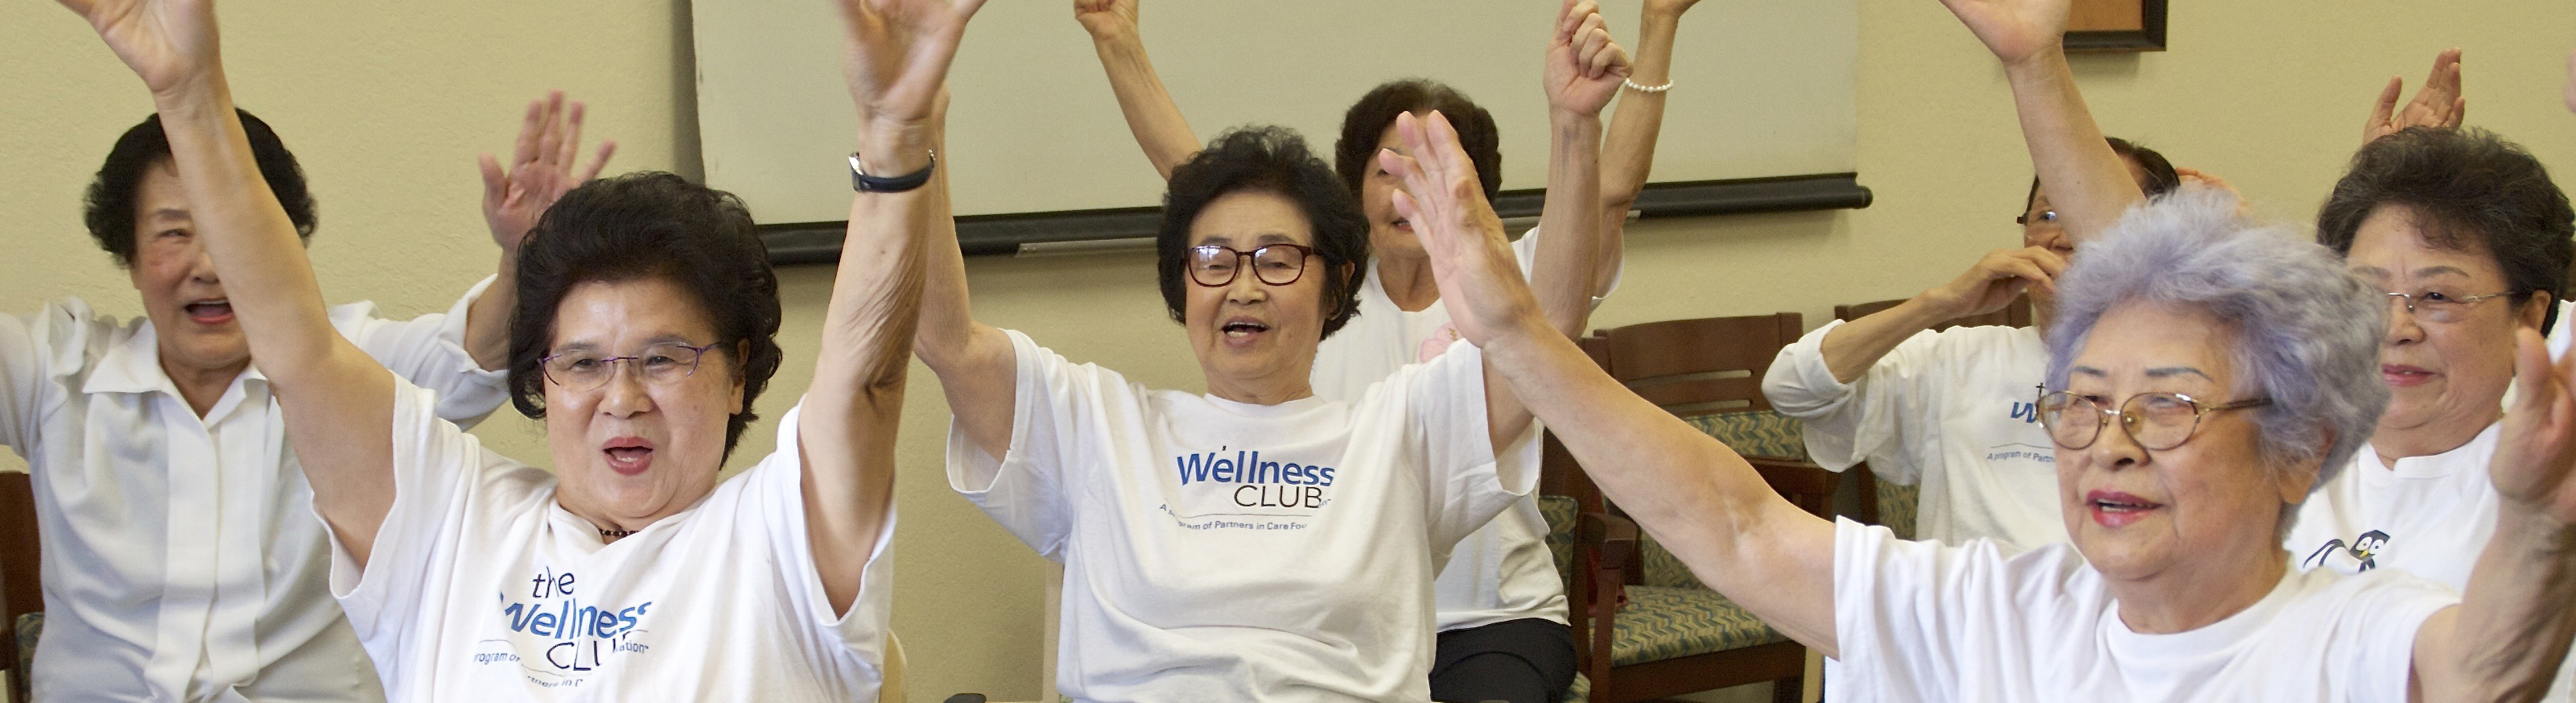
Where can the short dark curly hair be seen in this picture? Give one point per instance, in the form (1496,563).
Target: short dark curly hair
(1367,119)
(109,207)
(2469,190)
(1273,160)
(2161,176)
(649,225)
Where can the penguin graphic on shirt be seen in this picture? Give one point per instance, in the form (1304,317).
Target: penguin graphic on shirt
(2363,551)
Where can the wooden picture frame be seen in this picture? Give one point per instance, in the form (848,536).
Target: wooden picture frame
(2116,25)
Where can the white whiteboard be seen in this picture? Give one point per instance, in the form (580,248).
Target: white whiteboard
(1762,89)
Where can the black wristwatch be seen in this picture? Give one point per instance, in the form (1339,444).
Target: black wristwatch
(864,183)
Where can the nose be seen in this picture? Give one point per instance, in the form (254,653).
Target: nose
(2114,449)
(201,266)
(625,395)
(1246,288)
(2402,327)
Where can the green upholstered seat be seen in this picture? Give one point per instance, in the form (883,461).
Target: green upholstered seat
(1562,513)
(1661,623)
(1897,504)
(30,626)
(1755,433)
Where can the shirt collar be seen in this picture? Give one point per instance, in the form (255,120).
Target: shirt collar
(134,366)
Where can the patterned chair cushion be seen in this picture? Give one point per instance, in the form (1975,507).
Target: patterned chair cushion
(1580,692)
(1662,569)
(29,627)
(1896,507)
(1667,623)
(1755,432)
(1561,513)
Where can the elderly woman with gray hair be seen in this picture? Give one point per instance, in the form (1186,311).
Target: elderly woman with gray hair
(2238,363)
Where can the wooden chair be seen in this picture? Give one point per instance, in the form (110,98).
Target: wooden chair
(1645,629)
(22,591)
(1890,504)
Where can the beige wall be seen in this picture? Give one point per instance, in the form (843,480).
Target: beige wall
(386,103)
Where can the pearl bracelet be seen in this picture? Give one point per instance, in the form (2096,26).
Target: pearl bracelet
(1632,85)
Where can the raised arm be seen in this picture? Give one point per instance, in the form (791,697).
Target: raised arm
(1694,494)
(1583,71)
(338,402)
(1157,121)
(1997,279)
(2437,103)
(2510,632)
(977,368)
(1628,149)
(898,52)
(2088,182)
(540,172)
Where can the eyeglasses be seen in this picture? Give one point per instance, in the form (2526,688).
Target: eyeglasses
(2048,216)
(2436,306)
(2156,421)
(659,365)
(1215,265)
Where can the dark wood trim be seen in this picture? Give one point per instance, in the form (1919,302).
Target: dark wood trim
(1002,235)
(2149,37)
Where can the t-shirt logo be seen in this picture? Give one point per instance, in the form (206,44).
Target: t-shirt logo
(2363,552)
(1227,488)
(555,638)
(2025,412)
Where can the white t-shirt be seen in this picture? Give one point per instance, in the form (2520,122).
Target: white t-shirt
(1921,621)
(1503,571)
(482,588)
(2429,516)
(1953,411)
(181,557)
(1216,550)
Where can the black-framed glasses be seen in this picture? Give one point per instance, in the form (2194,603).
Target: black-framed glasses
(1215,265)
(660,364)
(2437,306)
(2157,421)
(2047,216)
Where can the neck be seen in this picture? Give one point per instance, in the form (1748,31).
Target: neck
(610,529)
(2168,603)
(2431,438)
(1406,276)
(201,387)
(1271,389)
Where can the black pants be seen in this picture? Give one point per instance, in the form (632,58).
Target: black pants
(1523,661)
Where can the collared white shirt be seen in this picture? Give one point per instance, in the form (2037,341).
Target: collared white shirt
(182,558)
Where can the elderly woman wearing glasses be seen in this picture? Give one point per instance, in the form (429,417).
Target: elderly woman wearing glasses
(643,334)
(2238,364)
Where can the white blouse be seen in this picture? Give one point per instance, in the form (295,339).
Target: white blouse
(182,559)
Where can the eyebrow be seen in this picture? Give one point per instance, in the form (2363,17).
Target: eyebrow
(1273,237)
(169,213)
(2426,272)
(673,338)
(2160,372)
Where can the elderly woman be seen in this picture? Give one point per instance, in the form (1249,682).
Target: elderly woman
(2205,377)
(1501,604)
(643,335)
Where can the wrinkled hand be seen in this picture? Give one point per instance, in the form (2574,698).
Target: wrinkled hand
(170,44)
(540,170)
(1584,67)
(1106,19)
(2017,31)
(2535,461)
(1479,280)
(896,55)
(1995,281)
(2437,103)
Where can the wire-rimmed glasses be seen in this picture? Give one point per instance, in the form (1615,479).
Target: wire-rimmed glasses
(661,364)
(2157,421)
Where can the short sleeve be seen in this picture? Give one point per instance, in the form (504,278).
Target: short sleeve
(1525,250)
(1888,417)
(1057,408)
(1468,481)
(429,351)
(776,498)
(439,471)
(2375,638)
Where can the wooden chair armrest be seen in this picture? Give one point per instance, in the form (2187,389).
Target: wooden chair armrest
(1801,481)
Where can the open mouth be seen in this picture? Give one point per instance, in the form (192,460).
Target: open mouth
(209,312)
(2114,509)
(2401,375)
(1240,331)
(1402,224)
(628,456)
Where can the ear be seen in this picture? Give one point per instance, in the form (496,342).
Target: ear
(2536,308)
(2298,479)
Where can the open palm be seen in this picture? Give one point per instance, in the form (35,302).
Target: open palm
(898,54)
(2535,459)
(2015,30)
(1471,264)
(169,43)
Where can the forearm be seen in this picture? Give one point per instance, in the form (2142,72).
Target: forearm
(1565,272)
(487,321)
(1851,348)
(2088,183)
(2516,616)
(1157,122)
(1628,153)
(268,277)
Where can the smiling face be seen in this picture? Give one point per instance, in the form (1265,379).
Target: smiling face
(181,294)
(2204,509)
(1255,341)
(2446,379)
(631,452)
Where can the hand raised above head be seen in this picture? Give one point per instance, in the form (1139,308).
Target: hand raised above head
(896,56)
(2438,102)
(2535,461)
(540,170)
(170,44)
(1479,281)
(2016,31)
(1584,67)
(1106,18)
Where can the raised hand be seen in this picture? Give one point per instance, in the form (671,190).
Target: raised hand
(2016,31)
(1584,67)
(540,170)
(2535,461)
(2437,103)
(896,56)
(169,43)
(1106,18)
(1996,279)
(1478,278)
